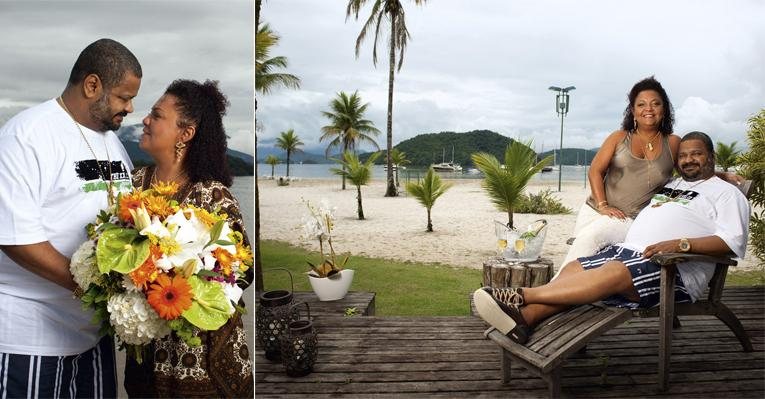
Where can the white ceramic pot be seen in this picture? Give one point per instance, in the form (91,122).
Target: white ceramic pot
(332,289)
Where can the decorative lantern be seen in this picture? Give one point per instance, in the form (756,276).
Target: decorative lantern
(275,312)
(299,346)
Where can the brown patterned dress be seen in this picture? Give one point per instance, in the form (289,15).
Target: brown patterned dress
(221,366)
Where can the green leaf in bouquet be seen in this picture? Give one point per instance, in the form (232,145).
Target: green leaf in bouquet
(224,242)
(121,250)
(215,232)
(210,308)
(185,331)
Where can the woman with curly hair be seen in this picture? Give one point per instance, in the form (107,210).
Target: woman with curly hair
(185,137)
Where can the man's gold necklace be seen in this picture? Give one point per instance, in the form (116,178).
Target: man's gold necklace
(674,197)
(109,183)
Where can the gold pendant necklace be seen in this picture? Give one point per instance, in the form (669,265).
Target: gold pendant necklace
(674,198)
(649,143)
(109,184)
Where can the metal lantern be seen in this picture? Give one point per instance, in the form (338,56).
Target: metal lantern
(299,346)
(275,312)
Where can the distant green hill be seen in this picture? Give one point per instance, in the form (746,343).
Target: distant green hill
(573,156)
(426,149)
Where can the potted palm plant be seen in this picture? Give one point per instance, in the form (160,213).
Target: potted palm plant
(505,184)
(329,279)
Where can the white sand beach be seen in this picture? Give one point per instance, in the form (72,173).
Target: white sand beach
(394,228)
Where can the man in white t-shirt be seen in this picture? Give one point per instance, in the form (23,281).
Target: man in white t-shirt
(698,213)
(60,163)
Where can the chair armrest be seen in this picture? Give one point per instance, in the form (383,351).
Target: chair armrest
(677,257)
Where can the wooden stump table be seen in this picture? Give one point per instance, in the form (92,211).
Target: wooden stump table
(499,272)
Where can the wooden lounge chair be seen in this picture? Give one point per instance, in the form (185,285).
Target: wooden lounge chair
(566,333)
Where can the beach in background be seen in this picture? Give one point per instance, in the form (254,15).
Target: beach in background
(463,220)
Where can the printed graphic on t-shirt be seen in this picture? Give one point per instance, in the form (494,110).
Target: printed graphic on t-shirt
(667,194)
(93,172)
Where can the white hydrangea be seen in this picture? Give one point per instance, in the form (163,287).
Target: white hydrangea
(83,265)
(134,320)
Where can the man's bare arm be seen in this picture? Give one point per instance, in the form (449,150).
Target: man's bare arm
(43,260)
(709,245)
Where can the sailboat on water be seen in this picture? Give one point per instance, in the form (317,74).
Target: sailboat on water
(446,166)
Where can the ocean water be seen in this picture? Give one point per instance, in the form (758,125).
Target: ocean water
(322,171)
(244,191)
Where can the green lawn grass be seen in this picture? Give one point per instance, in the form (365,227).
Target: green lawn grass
(402,288)
(406,288)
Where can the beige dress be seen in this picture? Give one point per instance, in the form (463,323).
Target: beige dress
(221,366)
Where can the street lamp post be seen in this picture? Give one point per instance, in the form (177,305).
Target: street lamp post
(561,107)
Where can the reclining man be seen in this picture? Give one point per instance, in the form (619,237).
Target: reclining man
(697,213)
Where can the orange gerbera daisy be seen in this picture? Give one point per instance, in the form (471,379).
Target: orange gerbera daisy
(225,259)
(147,272)
(170,297)
(128,202)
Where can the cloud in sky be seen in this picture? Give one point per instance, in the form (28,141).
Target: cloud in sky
(488,64)
(200,39)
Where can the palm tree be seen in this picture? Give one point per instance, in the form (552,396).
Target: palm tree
(753,168)
(266,79)
(427,192)
(263,44)
(290,142)
(398,158)
(505,185)
(358,173)
(726,155)
(347,125)
(392,12)
(272,160)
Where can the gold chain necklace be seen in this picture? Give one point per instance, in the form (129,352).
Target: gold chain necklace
(109,183)
(673,198)
(155,180)
(649,143)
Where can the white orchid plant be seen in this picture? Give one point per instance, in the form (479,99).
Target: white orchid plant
(317,225)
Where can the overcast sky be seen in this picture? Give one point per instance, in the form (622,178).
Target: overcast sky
(488,64)
(40,40)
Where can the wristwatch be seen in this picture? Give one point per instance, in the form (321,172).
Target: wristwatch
(684,245)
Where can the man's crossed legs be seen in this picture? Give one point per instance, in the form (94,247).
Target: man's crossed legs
(616,275)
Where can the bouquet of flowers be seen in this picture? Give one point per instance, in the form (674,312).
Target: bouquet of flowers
(151,267)
(318,226)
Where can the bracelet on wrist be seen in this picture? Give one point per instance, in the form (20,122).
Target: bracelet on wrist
(602,204)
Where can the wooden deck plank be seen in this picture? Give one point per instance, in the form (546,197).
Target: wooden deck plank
(449,357)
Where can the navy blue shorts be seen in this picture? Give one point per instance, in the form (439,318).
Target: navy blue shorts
(646,277)
(91,374)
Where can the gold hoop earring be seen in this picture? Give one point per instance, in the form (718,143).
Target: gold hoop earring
(179,146)
(634,121)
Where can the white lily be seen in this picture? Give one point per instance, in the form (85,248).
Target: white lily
(156,228)
(141,218)
(233,293)
(191,235)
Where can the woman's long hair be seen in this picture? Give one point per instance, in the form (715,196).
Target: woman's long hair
(203,105)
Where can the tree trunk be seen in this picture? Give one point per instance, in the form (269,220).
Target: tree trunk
(510,218)
(288,163)
(258,269)
(391,190)
(256,167)
(343,177)
(430,222)
(358,199)
(397,185)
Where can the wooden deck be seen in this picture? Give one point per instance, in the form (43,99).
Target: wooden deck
(369,356)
